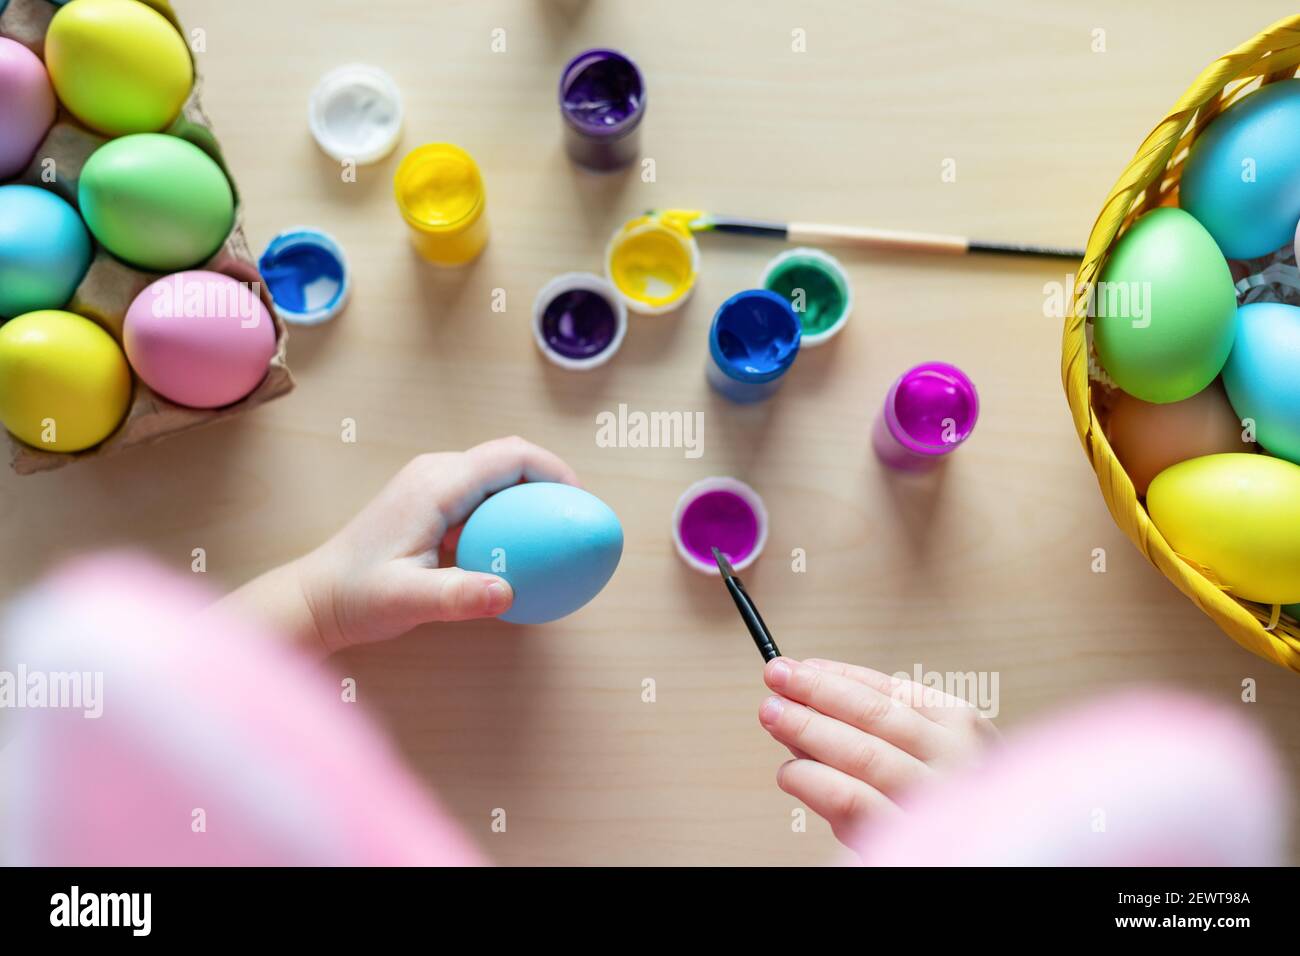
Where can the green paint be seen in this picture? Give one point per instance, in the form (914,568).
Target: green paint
(824,293)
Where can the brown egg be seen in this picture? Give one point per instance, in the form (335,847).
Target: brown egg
(1149,438)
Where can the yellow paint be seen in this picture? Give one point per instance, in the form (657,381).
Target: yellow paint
(653,262)
(440,194)
(64,383)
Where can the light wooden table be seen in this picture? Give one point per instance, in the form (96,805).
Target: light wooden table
(987,570)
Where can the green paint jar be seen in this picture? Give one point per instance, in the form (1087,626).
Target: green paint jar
(817,288)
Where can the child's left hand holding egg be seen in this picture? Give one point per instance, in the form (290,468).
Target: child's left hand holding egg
(861,739)
(390,569)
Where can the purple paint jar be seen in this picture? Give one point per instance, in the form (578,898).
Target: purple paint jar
(602,101)
(579,320)
(929,411)
(720,513)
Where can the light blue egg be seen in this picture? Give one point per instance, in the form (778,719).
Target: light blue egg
(1262,375)
(1242,177)
(557,546)
(44,250)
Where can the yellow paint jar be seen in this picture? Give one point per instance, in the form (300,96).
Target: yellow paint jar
(440,194)
(653,263)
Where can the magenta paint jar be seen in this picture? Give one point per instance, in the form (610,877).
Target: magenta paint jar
(602,102)
(722,513)
(929,411)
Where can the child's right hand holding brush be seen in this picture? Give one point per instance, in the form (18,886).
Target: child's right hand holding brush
(862,739)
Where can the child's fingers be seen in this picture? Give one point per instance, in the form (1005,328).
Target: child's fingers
(457,483)
(417,595)
(845,802)
(869,759)
(858,704)
(927,701)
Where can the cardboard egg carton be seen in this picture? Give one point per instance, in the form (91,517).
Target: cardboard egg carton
(111,285)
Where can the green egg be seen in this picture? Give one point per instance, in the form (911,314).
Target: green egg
(155,201)
(1165,308)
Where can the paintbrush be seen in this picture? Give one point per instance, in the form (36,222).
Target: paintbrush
(858,237)
(748,612)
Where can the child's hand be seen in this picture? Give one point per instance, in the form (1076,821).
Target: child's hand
(861,738)
(389,569)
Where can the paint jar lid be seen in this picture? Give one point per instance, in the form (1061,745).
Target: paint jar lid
(755,336)
(653,264)
(307,275)
(355,113)
(602,94)
(932,408)
(579,320)
(724,513)
(827,296)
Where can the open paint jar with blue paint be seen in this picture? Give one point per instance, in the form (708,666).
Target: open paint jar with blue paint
(752,344)
(307,275)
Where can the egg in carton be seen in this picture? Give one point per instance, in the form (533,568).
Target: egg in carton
(110,285)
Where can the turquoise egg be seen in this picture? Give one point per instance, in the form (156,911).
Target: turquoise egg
(556,545)
(1262,375)
(1242,177)
(156,201)
(44,250)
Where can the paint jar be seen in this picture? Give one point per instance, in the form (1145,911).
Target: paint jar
(753,341)
(929,411)
(440,194)
(579,321)
(653,263)
(721,513)
(355,113)
(817,288)
(602,103)
(307,275)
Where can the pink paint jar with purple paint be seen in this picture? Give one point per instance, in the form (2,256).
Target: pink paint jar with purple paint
(929,411)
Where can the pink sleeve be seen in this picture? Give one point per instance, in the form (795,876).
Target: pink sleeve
(184,739)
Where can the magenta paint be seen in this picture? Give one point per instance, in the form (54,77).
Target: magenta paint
(724,513)
(929,411)
(602,102)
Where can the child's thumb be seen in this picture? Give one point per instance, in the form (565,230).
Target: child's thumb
(453,594)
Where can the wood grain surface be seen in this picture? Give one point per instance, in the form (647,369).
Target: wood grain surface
(986,567)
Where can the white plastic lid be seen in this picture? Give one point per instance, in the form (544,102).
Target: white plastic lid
(355,113)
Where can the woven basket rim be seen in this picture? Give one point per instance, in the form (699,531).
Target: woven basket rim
(1148,180)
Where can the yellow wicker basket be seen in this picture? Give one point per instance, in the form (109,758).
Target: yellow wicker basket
(1151,180)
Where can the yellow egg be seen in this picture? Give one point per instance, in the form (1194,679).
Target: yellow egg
(64,382)
(1236,515)
(118,65)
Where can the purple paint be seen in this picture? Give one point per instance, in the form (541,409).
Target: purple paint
(722,520)
(929,411)
(579,323)
(602,100)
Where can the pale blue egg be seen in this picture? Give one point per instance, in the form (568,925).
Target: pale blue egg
(44,250)
(557,546)
(1262,375)
(1242,177)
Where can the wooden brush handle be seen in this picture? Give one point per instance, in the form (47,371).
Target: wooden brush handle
(860,237)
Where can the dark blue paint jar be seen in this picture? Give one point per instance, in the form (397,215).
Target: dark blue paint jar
(752,343)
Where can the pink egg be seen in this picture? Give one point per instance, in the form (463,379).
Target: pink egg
(199,338)
(27,106)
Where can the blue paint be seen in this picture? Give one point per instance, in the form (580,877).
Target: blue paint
(753,341)
(307,276)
